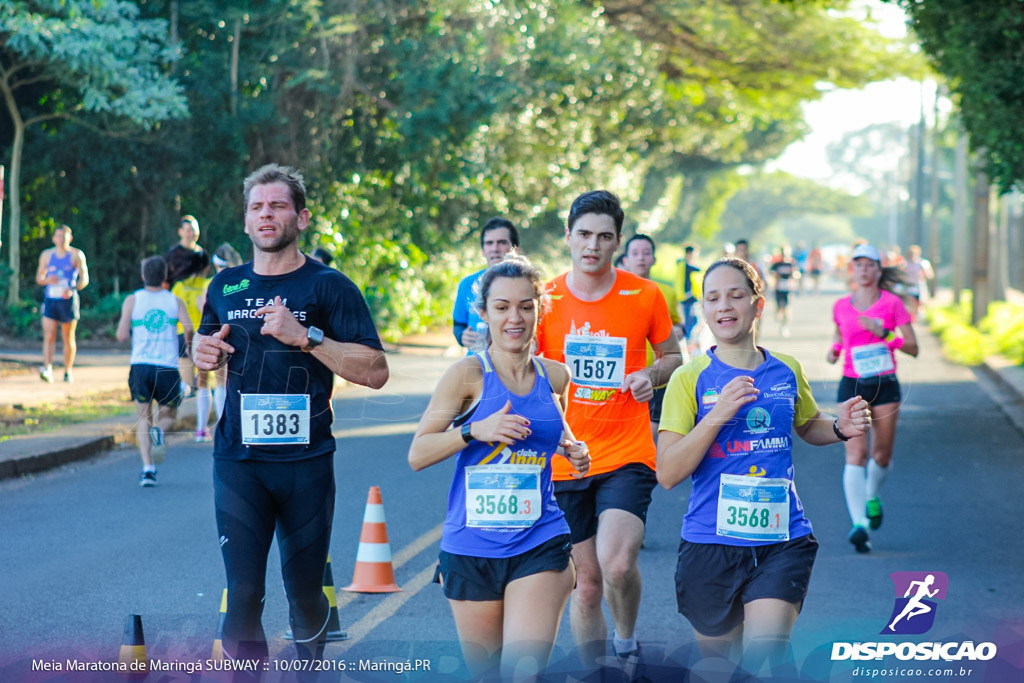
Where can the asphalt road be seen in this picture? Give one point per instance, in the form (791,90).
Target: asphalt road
(83,546)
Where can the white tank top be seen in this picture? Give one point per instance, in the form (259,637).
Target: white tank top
(154,329)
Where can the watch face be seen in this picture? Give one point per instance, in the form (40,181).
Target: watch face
(314,336)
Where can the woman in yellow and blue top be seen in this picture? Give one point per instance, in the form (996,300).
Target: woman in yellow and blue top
(747,548)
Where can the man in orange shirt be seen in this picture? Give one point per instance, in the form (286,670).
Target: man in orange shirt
(599,323)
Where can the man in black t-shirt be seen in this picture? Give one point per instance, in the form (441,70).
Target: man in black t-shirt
(785,272)
(285,325)
(186,258)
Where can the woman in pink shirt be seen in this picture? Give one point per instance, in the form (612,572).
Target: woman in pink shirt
(871,325)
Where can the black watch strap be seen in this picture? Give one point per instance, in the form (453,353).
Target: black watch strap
(839,434)
(467,434)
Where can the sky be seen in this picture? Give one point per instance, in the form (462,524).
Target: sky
(842,111)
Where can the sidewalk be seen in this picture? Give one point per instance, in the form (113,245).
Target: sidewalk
(98,371)
(101,371)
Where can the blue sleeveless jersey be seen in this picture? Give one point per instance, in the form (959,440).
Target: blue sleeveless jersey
(64,268)
(537,449)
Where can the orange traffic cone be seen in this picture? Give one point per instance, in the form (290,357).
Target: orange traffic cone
(133,649)
(374,573)
(218,643)
(334,631)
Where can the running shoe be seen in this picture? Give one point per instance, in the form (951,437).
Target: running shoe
(147,479)
(631,664)
(859,538)
(874,513)
(202,435)
(46,374)
(159,449)
(68,378)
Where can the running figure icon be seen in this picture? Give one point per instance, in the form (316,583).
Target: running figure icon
(914,606)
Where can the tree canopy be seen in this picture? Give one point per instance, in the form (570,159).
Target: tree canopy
(62,60)
(768,199)
(979,48)
(413,122)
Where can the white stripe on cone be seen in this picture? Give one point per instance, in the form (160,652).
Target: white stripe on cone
(374,552)
(374,513)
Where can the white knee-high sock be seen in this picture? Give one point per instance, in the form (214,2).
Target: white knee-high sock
(876,477)
(202,409)
(220,394)
(855,488)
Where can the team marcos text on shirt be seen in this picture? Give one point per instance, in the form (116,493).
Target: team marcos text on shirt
(603,341)
(265,367)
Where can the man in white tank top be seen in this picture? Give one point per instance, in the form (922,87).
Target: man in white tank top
(149,317)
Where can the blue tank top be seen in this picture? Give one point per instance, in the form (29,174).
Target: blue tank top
(64,268)
(498,509)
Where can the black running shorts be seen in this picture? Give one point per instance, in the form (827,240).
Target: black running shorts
(155,383)
(583,500)
(481,579)
(714,581)
(878,390)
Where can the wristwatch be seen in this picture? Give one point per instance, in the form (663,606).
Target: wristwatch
(839,434)
(314,338)
(467,434)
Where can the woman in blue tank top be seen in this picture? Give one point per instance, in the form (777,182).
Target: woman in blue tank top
(504,562)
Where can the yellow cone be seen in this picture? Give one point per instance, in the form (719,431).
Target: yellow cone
(218,643)
(133,649)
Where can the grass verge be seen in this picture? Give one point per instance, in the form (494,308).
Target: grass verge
(17,420)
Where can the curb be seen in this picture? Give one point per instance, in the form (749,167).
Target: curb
(1007,379)
(998,378)
(62,455)
(31,464)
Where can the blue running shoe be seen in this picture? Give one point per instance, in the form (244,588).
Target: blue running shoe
(859,538)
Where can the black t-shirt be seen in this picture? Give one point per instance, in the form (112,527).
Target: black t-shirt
(183,262)
(317,296)
(784,270)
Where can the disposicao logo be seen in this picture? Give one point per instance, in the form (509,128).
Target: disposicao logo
(913,614)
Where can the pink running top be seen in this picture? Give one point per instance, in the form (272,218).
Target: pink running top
(889,308)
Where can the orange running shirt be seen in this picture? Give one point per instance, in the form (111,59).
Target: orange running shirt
(603,341)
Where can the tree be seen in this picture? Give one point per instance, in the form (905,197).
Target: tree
(978,47)
(769,198)
(413,122)
(733,76)
(62,58)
